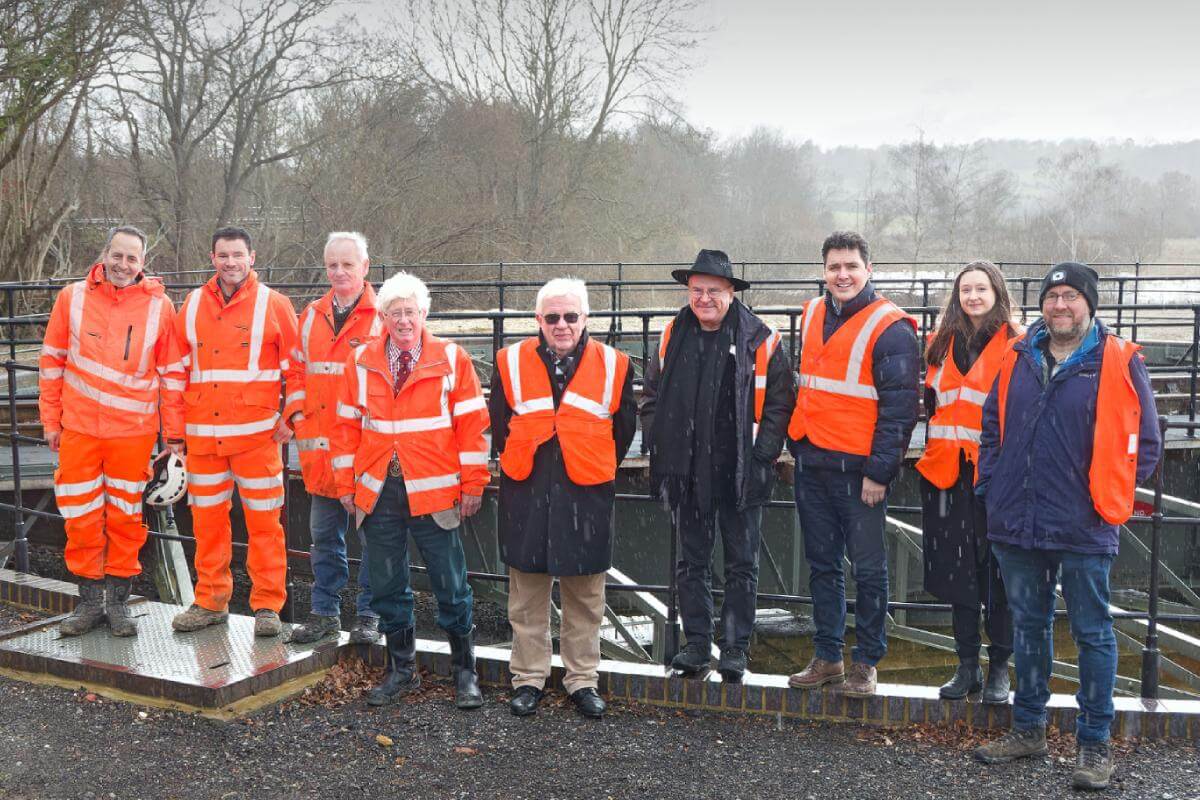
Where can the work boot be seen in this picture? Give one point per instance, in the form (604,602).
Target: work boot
(1093,766)
(316,628)
(732,664)
(462,667)
(1015,744)
(267,623)
(860,680)
(88,611)
(693,658)
(818,673)
(401,677)
(197,617)
(365,630)
(115,609)
(997,686)
(968,679)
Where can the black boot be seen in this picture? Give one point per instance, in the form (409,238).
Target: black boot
(695,657)
(401,677)
(462,667)
(996,688)
(115,609)
(88,612)
(968,679)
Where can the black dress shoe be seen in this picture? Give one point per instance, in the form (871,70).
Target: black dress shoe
(732,664)
(693,658)
(967,679)
(588,702)
(525,701)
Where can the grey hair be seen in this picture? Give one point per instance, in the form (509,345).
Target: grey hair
(403,286)
(359,240)
(128,230)
(563,287)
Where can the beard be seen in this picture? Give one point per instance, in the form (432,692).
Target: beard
(1066,330)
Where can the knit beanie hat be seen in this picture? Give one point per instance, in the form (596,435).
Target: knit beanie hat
(1078,276)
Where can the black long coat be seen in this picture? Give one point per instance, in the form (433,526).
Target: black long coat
(956,551)
(547,524)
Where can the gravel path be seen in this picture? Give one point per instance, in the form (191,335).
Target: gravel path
(56,743)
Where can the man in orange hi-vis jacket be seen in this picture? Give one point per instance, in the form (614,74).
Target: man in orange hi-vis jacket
(236,336)
(109,353)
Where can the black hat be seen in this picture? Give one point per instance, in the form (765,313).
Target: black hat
(1078,276)
(711,262)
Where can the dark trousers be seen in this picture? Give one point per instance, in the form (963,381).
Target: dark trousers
(697,534)
(387,529)
(997,620)
(835,523)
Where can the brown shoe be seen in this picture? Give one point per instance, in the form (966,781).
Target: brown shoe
(818,673)
(860,681)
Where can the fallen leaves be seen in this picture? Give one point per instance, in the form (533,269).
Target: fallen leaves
(961,736)
(383,741)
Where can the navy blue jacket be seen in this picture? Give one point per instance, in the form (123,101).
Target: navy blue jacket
(1036,483)
(895,371)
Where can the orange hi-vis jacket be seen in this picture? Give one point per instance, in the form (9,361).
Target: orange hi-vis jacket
(1112,476)
(836,404)
(957,421)
(107,356)
(322,357)
(237,357)
(583,420)
(762,357)
(434,425)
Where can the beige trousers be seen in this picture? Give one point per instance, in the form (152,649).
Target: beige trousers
(579,636)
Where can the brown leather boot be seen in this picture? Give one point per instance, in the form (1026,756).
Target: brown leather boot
(818,673)
(860,681)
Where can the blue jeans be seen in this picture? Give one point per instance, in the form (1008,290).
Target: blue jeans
(836,523)
(328,521)
(387,529)
(1029,576)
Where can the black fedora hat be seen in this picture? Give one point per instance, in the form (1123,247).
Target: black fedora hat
(711,262)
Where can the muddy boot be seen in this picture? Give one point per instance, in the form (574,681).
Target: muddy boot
(1093,766)
(968,679)
(401,676)
(997,686)
(317,627)
(89,611)
(694,658)
(116,610)
(1015,744)
(462,667)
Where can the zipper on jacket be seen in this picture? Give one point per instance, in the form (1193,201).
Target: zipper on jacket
(128,338)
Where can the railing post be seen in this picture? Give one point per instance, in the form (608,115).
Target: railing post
(20,540)
(618,300)
(1137,279)
(1120,303)
(1150,660)
(1195,367)
(645,362)
(12,322)
(500,287)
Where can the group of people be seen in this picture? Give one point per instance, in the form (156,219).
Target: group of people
(1034,444)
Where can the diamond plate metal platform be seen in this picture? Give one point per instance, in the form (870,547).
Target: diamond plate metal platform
(209,669)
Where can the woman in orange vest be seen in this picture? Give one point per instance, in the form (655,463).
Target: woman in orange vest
(962,358)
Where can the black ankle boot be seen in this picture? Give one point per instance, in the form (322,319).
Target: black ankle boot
(968,679)
(997,686)
(88,612)
(462,667)
(115,609)
(401,677)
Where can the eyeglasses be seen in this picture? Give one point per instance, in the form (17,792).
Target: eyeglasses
(1066,297)
(709,293)
(403,313)
(552,319)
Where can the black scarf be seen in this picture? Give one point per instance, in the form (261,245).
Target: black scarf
(684,413)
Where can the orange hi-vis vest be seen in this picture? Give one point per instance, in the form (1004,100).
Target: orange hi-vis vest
(837,405)
(1112,475)
(107,355)
(322,356)
(582,421)
(957,421)
(237,356)
(434,425)
(762,357)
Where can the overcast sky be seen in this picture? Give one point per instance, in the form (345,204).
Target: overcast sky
(865,72)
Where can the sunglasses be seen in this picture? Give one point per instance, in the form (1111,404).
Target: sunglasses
(552,319)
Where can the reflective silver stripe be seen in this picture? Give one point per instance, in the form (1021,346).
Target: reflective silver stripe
(371,482)
(361,373)
(850,389)
(376,326)
(343,462)
(75,489)
(269,482)
(1133,444)
(206,500)
(953,432)
(294,397)
(173,385)
(325,368)
(473,458)
(105,398)
(415,425)
(233,375)
(133,487)
(150,335)
(75,316)
(348,412)
(610,376)
(570,398)
(973,396)
(754,433)
(284,363)
(859,349)
(85,364)
(262,299)
(315,443)
(260,504)
(189,318)
(178,366)
(50,373)
(430,484)
(810,310)
(306,331)
(132,509)
(760,381)
(467,406)
(244,429)
(773,342)
(541,404)
(71,512)
(209,478)
(53,352)
(514,377)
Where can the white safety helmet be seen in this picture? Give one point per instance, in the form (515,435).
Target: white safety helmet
(168,483)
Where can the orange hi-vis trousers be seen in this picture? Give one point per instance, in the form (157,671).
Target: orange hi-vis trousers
(98,487)
(258,474)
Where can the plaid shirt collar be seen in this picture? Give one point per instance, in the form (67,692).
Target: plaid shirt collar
(393,357)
